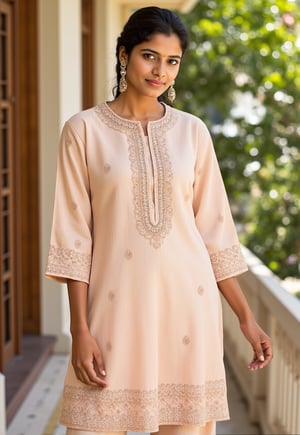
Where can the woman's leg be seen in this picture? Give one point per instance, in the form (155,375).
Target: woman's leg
(71,431)
(208,429)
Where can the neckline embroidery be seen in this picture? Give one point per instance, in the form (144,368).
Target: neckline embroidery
(151,171)
(132,121)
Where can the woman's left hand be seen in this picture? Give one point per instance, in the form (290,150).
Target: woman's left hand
(260,342)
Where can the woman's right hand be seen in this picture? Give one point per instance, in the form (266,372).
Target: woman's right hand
(87,360)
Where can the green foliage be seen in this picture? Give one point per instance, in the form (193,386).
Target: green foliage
(242,77)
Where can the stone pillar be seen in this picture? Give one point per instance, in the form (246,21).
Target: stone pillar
(108,24)
(60,97)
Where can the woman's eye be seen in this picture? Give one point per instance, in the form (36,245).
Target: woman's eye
(173,61)
(149,56)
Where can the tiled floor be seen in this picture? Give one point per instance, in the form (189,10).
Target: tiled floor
(35,351)
(33,416)
(38,413)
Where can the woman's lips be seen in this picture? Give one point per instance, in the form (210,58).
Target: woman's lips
(155,83)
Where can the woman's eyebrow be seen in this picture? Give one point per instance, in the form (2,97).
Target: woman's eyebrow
(156,52)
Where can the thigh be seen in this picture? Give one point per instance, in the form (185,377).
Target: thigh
(208,429)
(71,431)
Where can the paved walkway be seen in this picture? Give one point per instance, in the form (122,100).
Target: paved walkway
(38,413)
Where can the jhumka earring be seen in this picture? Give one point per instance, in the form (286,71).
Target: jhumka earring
(171,92)
(123,82)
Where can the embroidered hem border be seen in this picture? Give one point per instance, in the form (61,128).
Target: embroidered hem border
(97,409)
(227,263)
(68,263)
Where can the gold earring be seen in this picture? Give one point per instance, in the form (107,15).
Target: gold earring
(123,82)
(171,92)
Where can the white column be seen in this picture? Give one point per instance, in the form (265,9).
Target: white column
(60,97)
(108,24)
(2,405)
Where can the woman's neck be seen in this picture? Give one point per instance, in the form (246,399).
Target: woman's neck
(144,109)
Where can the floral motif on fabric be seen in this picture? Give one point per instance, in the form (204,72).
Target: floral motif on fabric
(227,263)
(68,263)
(97,409)
(152,190)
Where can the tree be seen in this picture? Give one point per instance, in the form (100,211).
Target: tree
(242,76)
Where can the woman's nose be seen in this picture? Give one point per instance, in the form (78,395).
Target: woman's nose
(159,69)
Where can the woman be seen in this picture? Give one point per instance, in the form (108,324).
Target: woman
(143,236)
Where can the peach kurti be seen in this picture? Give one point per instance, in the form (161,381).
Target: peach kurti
(145,221)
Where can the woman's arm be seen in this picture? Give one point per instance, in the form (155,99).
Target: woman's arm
(86,356)
(259,340)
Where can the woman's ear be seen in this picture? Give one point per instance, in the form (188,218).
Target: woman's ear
(122,54)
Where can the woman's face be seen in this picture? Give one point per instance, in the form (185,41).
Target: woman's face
(153,65)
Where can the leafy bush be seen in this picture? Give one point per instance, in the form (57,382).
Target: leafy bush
(242,77)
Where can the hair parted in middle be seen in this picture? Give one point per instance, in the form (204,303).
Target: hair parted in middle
(143,24)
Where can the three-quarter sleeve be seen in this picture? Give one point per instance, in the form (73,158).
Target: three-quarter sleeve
(70,249)
(212,212)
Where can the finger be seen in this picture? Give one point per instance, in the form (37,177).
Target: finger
(91,380)
(98,364)
(85,373)
(268,353)
(78,372)
(94,377)
(257,363)
(79,376)
(259,352)
(85,378)
(267,348)
(253,365)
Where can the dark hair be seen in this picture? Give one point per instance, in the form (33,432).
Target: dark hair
(143,24)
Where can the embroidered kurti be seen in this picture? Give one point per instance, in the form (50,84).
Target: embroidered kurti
(145,221)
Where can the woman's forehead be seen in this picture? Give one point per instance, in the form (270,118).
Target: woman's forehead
(168,45)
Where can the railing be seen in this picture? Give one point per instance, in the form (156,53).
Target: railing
(273,394)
